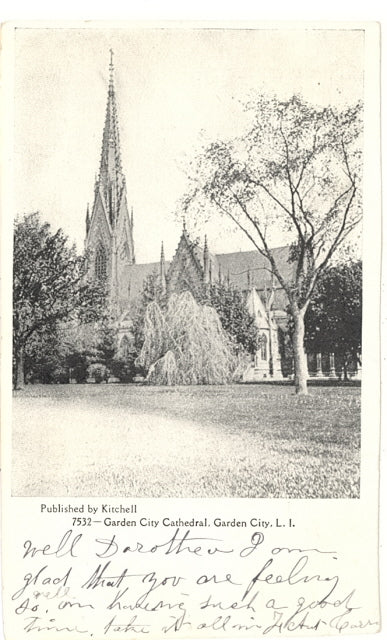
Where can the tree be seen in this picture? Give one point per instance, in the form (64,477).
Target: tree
(186,344)
(49,288)
(228,302)
(333,320)
(297,170)
(151,291)
(234,315)
(88,343)
(45,358)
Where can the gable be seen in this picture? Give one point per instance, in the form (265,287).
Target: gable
(100,229)
(124,231)
(185,272)
(125,244)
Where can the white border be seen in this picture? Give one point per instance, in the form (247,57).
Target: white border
(202,10)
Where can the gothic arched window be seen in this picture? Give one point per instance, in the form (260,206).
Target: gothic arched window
(264,347)
(100,263)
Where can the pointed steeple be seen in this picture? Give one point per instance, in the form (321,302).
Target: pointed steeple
(206,261)
(111,180)
(163,279)
(113,223)
(87,218)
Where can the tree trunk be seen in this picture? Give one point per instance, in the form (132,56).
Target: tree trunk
(269,307)
(300,360)
(271,368)
(345,367)
(19,380)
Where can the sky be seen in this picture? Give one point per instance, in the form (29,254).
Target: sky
(175,88)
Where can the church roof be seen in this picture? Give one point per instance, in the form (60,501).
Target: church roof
(247,269)
(238,265)
(199,253)
(137,274)
(244,269)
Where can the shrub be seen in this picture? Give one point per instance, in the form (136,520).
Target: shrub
(98,371)
(124,370)
(78,366)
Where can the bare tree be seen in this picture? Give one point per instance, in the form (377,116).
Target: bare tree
(296,171)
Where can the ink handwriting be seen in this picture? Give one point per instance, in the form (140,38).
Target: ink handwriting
(94,586)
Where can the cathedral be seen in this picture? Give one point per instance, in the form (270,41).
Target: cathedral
(109,246)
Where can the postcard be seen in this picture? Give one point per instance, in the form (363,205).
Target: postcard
(190,276)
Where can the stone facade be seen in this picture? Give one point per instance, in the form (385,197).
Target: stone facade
(109,243)
(110,253)
(109,249)
(267,360)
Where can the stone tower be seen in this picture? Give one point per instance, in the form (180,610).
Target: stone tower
(109,227)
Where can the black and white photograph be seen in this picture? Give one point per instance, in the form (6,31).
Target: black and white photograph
(191,255)
(187,266)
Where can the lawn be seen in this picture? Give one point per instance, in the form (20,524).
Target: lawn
(210,441)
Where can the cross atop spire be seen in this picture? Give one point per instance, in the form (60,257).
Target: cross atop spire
(163,277)
(111,70)
(206,261)
(87,218)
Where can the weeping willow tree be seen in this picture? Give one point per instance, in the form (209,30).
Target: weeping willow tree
(186,344)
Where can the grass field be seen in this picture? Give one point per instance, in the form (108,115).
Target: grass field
(229,441)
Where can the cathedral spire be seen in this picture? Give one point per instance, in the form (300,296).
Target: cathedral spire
(111,179)
(111,70)
(206,261)
(87,218)
(109,226)
(163,279)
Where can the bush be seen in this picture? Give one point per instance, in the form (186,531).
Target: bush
(60,375)
(124,370)
(78,364)
(46,371)
(98,371)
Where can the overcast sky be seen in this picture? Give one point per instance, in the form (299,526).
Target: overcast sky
(171,84)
